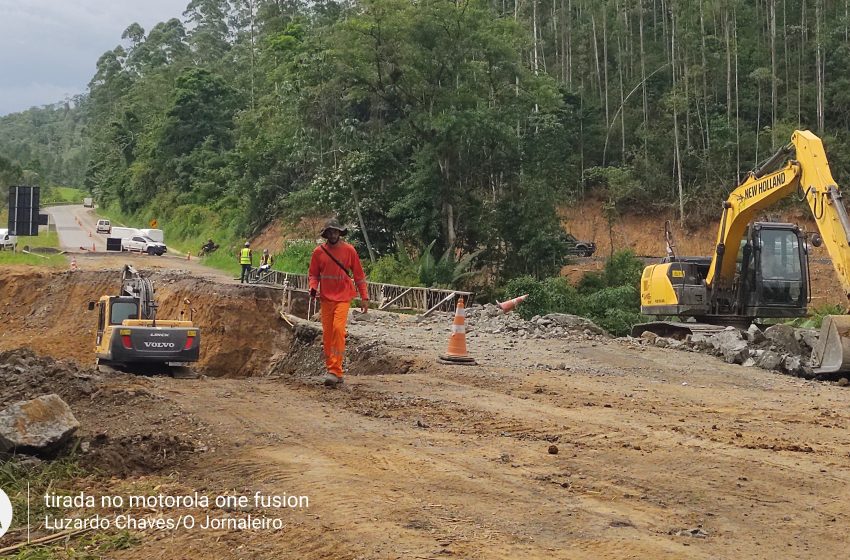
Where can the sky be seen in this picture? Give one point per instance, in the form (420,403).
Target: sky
(49,48)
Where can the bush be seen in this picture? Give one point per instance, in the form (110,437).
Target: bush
(389,269)
(815,317)
(623,269)
(611,299)
(621,297)
(591,282)
(618,322)
(562,296)
(537,302)
(295,258)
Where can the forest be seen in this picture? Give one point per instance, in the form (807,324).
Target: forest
(459,126)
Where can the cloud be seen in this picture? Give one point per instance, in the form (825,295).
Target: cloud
(23,96)
(49,48)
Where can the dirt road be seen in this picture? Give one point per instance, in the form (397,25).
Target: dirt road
(660,453)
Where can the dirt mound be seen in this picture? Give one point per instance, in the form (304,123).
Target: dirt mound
(47,312)
(125,429)
(134,455)
(25,375)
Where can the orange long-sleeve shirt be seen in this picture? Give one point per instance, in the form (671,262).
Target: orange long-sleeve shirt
(327,277)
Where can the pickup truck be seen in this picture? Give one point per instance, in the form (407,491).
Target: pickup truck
(580,248)
(7,241)
(143,244)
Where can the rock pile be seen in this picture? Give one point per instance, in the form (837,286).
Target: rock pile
(778,347)
(491,319)
(25,375)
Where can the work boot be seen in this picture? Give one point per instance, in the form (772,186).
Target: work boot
(331,380)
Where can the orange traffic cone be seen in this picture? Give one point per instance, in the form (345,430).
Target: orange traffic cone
(92,248)
(456,353)
(188,255)
(73,264)
(89,234)
(511,303)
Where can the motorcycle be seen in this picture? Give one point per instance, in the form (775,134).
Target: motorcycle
(207,248)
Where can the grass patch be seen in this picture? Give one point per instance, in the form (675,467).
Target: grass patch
(295,258)
(91,546)
(226,260)
(43,239)
(49,475)
(62,195)
(57,477)
(8,258)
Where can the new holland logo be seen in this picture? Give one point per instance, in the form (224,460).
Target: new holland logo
(5,513)
(159,345)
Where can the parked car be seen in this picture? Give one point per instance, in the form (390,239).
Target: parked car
(155,234)
(580,248)
(7,241)
(103,226)
(143,244)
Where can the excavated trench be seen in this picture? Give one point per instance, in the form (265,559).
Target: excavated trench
(241,329)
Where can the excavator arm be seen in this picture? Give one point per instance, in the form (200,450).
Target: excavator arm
(800,165)
(134,285)
(824,200)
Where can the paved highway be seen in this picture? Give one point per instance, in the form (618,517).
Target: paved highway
(76,236)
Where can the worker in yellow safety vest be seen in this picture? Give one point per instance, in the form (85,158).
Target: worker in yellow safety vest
(245,259)
(266,260)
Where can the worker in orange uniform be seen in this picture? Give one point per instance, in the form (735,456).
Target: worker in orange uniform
(335,271)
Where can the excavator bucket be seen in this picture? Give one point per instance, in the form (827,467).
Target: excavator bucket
(832,352)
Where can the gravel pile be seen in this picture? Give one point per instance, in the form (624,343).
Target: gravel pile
(491,319)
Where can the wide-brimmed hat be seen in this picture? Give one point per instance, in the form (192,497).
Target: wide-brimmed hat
(333,224)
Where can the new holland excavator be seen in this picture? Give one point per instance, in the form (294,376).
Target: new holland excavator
(760,270)
(131,338)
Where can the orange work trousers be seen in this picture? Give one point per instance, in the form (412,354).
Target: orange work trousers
(334,319)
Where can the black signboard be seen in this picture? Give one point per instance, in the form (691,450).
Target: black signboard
(24,218)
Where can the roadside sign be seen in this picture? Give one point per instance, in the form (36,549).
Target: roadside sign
(154,223)
(24,216)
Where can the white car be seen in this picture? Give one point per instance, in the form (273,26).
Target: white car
(7,241)
(143,244)
(103,226)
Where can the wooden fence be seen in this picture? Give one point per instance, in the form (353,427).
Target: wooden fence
(385,295)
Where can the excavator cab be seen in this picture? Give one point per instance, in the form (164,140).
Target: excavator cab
(771,280)
(773,276)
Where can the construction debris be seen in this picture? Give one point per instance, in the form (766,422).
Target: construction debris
(779,347)
(490,319)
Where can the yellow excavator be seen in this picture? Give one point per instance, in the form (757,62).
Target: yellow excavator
(760,270)
(131,338)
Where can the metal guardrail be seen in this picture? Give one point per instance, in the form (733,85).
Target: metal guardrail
(386,295)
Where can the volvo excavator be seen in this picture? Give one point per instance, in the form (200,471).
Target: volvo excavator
(131,338)
(759,270)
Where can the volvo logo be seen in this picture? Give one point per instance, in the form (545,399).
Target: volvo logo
(159,345)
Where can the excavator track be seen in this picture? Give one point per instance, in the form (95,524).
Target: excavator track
(177,371)
(678,330)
